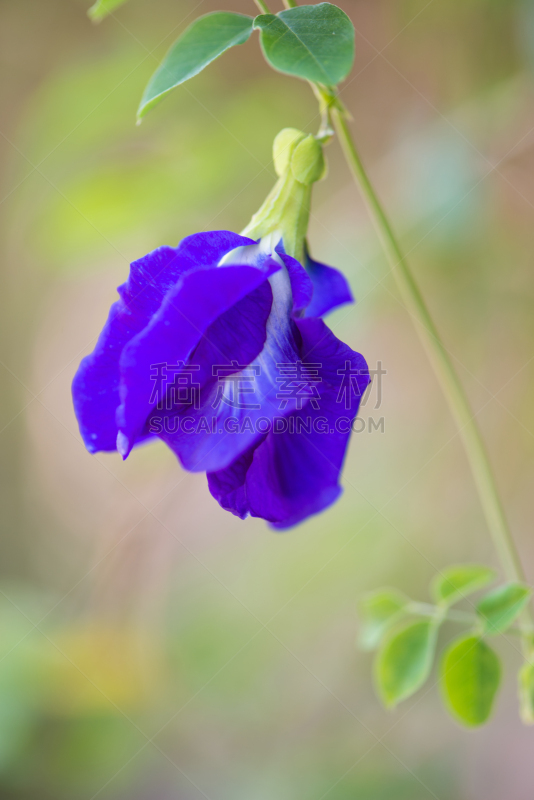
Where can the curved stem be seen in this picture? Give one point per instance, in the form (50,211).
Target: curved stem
(441,362)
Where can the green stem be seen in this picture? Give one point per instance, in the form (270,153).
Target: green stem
(264,8)
(451,615)
(441,362)
(437,354)
(428,610)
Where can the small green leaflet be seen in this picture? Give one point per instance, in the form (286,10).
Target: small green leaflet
(379,611)
(470,676)
(201,43)
(102,8)
(499,608)
(456,582)
(315,43)
(404,662)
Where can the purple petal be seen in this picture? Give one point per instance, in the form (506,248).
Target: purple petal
(228,485)
(301,285)
(95,387)
(189,308)
(207,249)
(293,474)
(220,428)
(330,289)
(237,335)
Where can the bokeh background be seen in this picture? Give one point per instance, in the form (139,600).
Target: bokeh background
(151,645)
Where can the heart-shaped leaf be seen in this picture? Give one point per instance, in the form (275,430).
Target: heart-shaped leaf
(404,661)
(499,608)
(458,581)
(311,42)
(379,610)
(204,40)
(470,676)
(102,8)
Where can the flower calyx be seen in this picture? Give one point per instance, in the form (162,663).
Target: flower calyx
(299,162)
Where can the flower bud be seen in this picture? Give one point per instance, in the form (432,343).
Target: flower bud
(299,162)
(307,161)
(283,147)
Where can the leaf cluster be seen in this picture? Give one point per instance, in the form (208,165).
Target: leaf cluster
(311,42)
(405,633)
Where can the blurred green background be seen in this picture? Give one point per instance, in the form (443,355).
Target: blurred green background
(151,645)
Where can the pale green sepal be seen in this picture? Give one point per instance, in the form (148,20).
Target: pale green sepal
(287,210)
(287,207)
(294,224)
(283,147)
(261,222)
(307,162)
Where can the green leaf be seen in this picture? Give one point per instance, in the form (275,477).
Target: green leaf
(526,693)
(470,675)
(458,581)
(311,42)
(404,662)
(500,607)
(204,40)
(379,610)
(102,8)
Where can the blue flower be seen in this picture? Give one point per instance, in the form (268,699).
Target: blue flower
(217,348)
